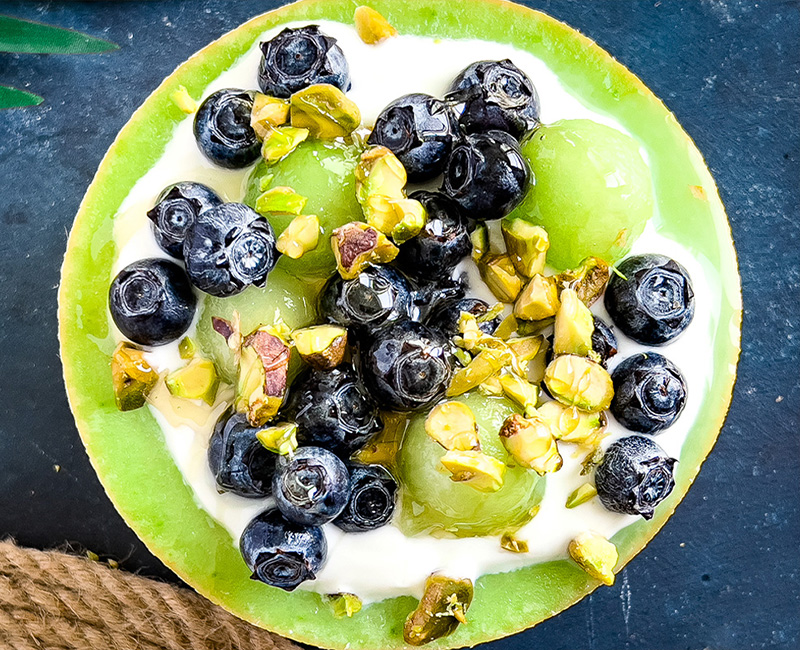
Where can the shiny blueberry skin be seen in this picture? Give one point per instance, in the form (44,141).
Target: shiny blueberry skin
(298,58)
(175,211)
(222,129)
(229,248)
(440,245)
(649,393)
(418,129)
(332,410)
(604,341)
(653,301)
(151,301)
(433,293)
(496,95)
(446,318)
(311,487)
(407,366)
(282,553)
(372,499)
(634,476)
(486,175)
(238,461)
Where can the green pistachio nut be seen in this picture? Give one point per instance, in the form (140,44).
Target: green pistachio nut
(356,245)
(483,366)
(184,100)
(187,348)
(474,468)
(344,605)
(197,380)
(321,346)
(501,277)
(530,443)
(491,387)
(268,113)
(538,300)
(581,495)
(574,326)
(280,141)
(589,280)
(453,426)
(520,391)
(382,448)
(581,382)
(411,219)
(595,555)
(526,245)
(525,348)
(371,26)
(480,242)
(281,438)
(441,610)
(513,544)
(131,376)
(570,424)
(262,375)
(299,237)
(325,111)
(507,327)
(280,200)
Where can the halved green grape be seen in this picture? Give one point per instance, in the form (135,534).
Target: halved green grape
(593,192)
(434,503)
(321,171)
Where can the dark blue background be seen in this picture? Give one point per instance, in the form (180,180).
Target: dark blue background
(724,571)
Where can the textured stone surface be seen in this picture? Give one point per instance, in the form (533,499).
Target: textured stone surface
(724,572)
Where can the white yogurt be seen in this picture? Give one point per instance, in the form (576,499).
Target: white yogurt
(385,563)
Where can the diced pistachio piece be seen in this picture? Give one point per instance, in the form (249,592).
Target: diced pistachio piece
(411,217)
(532,327)
(480,242)
(131,376)
(344,605)
(464,357)
(325,111)
(281,438)
(574,326)
(570,424)
(453,426)
(371,26)
(526,244)
(483,366)
(184,100)
(490,314)
(538,300)
(280,142)
(501,277)
(588,280)
(379,172)
(356,245)
(262,378)
(506,328)
(268,113)
(265,181)
(581,495)
(520,390)
(510,543)
(382,448)
(526,347)
(443,607)
(578,381)
(595,555)
(197,380)
(471,333)
(321,346)
(187,348)
(530,443)
(491,387)
(299,237)
(281,200)
(591,460)
(474,468)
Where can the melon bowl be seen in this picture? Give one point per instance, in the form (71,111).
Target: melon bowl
(128,449)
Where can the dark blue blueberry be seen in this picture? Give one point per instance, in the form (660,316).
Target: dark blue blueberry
(311,487)
(407,366)
(229,248)
(332,410)
(440,245)
(282,553)
(238,461)
(651,298)
(418,129)
(649,393)
(634,476)
(486,175)
(222,129)
(433,293)
(298,58)
(446,318)
(151,301)
(372,499)
(175,211)
(496,95)
(604,342)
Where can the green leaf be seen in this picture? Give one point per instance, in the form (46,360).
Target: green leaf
(13,98)
(27,37)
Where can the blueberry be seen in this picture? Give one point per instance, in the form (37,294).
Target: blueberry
(151,301)
(238,461)
(222,129)
(486,175)
(175,211)
(298,58)
(649,393)
(441,244)
(433,293)
(407,367)
(634,476)
(332,410)
(311,487)
(372,499)
(282,553)
(418,129)
(229,248)
(651,298)
(496,95)
(604,342)
(446,318)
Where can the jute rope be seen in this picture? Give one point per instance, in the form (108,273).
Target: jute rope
(51,600)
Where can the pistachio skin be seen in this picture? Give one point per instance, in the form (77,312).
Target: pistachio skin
(151,302)
(175,211)
(446,318)
(222,129)
(372,499)
(282,553)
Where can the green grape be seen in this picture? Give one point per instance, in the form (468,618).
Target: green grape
(322,172)
(593,192)
(433,503)
(284,298)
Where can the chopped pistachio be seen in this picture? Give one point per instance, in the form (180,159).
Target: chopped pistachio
(530,443)
(483,366)
(581,495)
(574,326)
(299,237)
(491,387)
(570,424)
(470,332)
(480,242)
(578,381)
(526,244)
(520,390)
(382,448)
(526,347)
(344,605)
(356,245)
(263,371)
(595,555)
(474,468)
(453,426)
(441,609)
(184,100)
(531,327)
(187,348)
(371,26)
(411,219)
(464,357)
(281,200)
(499,274)
(591,460)
(265,181)
(131,376)
(321,346)
(538,300)
(281,438)
(268,113)
(325,111)
(510,543)
(197,380)
(280,142)
(506,328)
(588,280)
